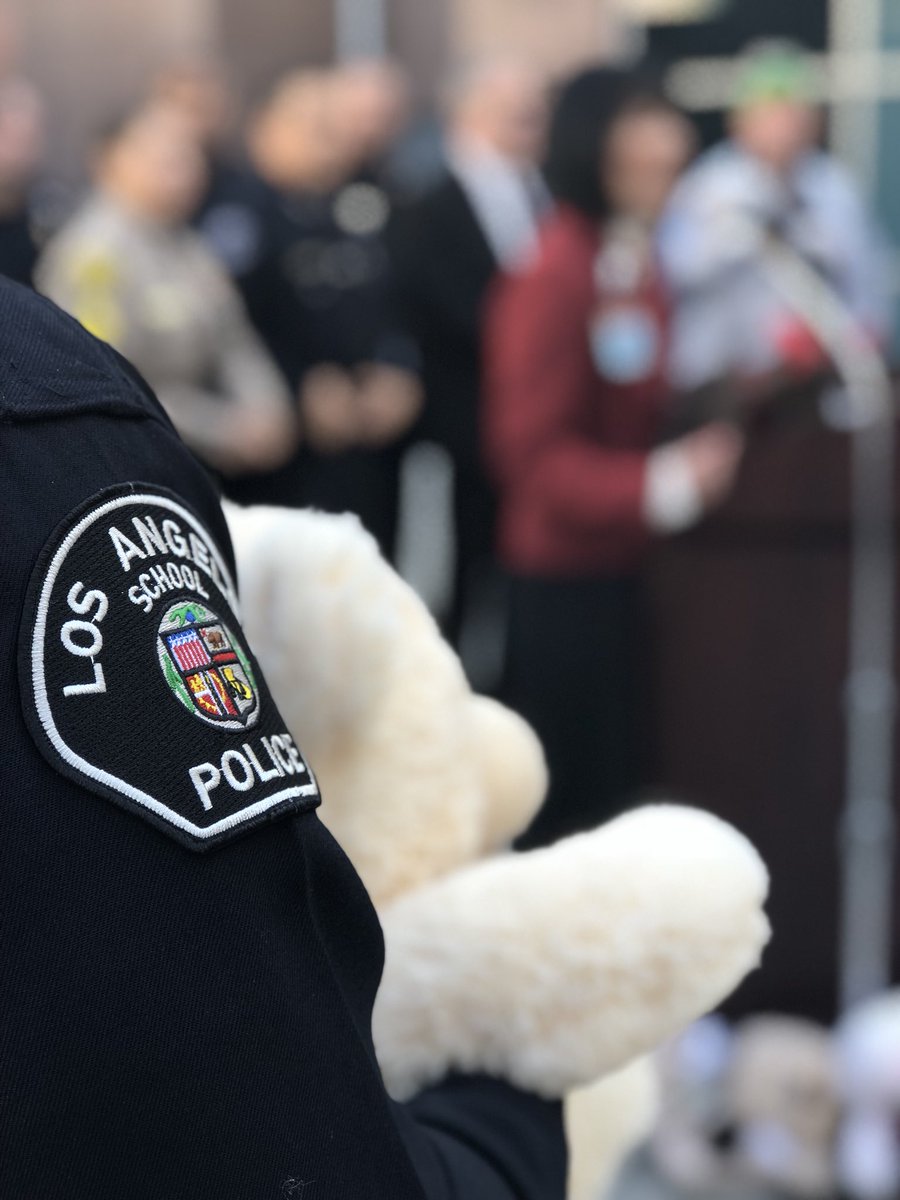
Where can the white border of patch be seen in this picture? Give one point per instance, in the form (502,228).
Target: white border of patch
(39,683)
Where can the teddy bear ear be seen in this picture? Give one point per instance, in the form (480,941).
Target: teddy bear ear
(512,770)
(321,613)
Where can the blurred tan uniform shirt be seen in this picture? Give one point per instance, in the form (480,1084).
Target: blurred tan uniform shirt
(159,296)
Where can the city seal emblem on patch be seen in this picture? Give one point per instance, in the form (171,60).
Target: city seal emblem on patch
(205,666)
(136,679)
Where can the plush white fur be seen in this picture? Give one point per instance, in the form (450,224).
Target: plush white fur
(420,776)
(566,963)
(549,969)
(605,1123)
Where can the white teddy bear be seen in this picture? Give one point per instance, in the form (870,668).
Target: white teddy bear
(551,969)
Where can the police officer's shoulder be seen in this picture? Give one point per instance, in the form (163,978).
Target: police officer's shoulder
(131,578)
(51,367)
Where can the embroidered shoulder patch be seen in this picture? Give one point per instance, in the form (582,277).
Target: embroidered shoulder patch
(136,679)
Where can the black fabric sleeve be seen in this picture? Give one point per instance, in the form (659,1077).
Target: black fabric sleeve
(487,1140)
(179,1022)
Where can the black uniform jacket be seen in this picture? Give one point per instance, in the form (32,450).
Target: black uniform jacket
(315,274)
(444,269)
(188,961)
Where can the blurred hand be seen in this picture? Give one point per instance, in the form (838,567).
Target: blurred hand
(712,455)
(390,401)
(259,441)
(330,409)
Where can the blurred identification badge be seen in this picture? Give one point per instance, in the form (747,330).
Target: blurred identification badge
(625,344)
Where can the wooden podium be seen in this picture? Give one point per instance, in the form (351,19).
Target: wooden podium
(746,623)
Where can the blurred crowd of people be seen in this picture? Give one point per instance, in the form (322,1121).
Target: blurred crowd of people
(308,301)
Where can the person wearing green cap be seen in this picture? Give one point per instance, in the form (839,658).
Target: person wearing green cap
(768,178)
(775,73)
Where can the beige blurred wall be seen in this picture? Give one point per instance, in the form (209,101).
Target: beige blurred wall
(262,38)
(88,55)
(555,34)
(92,57)
(420,37)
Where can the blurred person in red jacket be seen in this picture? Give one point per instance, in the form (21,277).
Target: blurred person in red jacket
(576,352)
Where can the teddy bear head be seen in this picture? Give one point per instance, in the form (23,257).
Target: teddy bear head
(420,776)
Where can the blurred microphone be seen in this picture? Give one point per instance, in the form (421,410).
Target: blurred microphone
(820,308)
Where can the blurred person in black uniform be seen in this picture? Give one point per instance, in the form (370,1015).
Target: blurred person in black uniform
(187,987)
(449,245)
(395,142)
(372,111)
(21,149)
(306,243)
